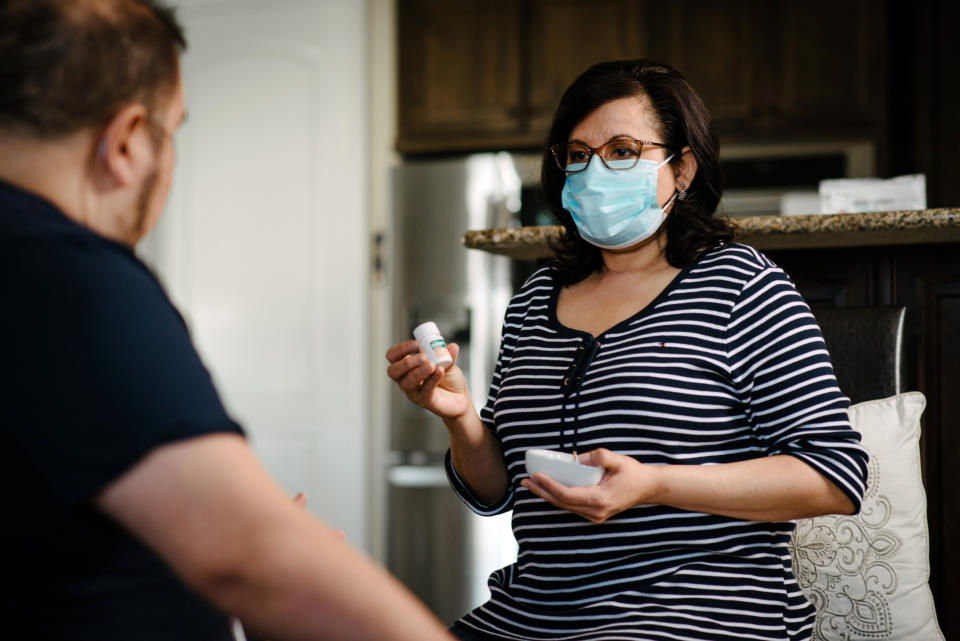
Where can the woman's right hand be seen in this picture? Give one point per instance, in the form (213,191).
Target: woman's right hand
(474,450)
(441,391)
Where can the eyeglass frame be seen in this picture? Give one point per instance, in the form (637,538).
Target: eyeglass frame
(555,149)
(155,125)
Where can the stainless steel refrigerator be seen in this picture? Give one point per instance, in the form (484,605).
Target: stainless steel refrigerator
(436,545)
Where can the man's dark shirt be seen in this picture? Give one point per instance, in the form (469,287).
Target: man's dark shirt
(96,370)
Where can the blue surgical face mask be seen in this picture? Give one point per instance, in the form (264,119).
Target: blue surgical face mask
(614,209)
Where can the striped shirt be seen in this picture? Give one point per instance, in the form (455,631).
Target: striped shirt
(726,364)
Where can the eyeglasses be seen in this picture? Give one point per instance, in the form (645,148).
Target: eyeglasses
(619,154)
(158,129)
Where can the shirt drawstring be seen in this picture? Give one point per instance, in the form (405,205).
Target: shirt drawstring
(586,352)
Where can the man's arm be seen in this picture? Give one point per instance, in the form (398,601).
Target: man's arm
(212,512)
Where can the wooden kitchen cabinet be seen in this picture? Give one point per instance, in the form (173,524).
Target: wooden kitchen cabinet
(828,66)
(565,37)
(720,48)
(489,75)
(789,69)
(459,74)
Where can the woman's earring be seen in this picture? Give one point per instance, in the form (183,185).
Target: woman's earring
(682,193)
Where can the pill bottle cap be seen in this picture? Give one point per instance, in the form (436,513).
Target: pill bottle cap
(424,330)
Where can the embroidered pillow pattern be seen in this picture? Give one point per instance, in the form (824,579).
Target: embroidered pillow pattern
(844,566)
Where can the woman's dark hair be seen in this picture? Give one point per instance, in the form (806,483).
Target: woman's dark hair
(66,65)
(682,120)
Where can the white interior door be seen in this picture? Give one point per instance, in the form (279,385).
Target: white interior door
(264,243)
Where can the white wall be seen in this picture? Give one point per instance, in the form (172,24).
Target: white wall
(264,245)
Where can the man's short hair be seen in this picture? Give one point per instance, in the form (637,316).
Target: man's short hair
(67,65)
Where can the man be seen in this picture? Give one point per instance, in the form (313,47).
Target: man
(138,511)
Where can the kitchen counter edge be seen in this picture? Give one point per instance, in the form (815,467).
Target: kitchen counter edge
(766,232)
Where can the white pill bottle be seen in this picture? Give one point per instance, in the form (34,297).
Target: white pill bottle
(432,344)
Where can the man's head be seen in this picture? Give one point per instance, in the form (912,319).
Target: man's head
(96,81)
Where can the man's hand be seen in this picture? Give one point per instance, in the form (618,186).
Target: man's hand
(300,500)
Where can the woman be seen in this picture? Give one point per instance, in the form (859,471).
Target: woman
(685,365)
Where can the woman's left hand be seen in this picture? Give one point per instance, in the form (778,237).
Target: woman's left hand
(626,482)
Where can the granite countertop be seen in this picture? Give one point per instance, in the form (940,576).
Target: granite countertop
(767,232)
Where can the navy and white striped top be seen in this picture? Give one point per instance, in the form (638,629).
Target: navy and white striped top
(726,364)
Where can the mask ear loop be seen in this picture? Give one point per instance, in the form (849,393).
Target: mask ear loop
(677,195)
(669,202)
(668,159)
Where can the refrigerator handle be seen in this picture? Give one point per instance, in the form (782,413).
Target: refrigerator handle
(414,476)
(461,335)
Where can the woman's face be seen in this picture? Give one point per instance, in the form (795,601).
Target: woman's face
(632,117)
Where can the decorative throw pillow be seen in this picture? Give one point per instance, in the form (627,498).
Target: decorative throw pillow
(868,574)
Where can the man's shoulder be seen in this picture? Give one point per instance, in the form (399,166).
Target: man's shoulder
(50,261)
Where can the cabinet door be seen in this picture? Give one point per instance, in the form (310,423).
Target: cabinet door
(828,63)
(829,278)
(718,47)
(459,72)
(565,38)
(928,283)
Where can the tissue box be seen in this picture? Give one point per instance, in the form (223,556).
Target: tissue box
(853,195)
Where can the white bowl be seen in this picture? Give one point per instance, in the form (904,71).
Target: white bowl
(560,466)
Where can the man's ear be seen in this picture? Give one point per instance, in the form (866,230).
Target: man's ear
(119,152)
